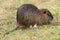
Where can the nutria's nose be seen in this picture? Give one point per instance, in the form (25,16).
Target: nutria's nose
(50,16)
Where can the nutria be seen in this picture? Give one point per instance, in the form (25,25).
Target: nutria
(28,14)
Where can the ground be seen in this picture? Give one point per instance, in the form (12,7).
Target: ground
(8,10)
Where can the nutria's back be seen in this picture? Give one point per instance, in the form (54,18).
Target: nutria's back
(27,8)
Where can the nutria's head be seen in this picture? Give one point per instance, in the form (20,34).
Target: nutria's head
(47,17)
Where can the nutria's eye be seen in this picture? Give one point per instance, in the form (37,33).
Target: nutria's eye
(44,12)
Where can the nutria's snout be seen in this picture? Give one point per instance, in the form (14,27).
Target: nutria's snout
(50,17)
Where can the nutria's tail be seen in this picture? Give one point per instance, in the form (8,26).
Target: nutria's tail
(10,31)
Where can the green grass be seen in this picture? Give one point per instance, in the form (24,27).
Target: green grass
(8,10)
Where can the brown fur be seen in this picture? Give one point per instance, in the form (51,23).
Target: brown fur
(28,14)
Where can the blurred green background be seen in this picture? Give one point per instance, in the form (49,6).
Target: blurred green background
(8,10)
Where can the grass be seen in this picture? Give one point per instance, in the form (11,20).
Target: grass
(8,10)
